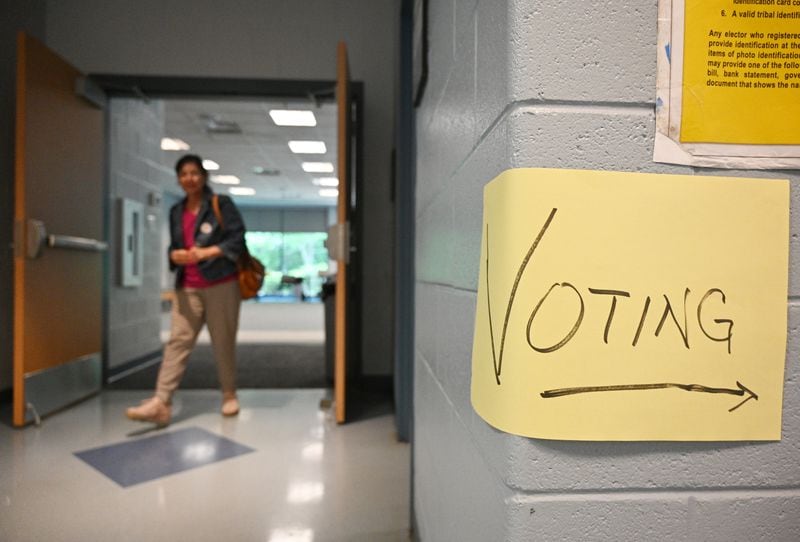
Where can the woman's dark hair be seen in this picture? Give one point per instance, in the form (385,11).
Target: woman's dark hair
(190,159)
(196,160)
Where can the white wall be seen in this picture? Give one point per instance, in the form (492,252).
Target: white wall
(517,83)
(285,39)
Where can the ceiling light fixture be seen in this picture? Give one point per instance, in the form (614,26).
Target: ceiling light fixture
(308,147)
(317,167)
(293,117)
(326,181)
(242,191)
(210,165)
(225,179)
(329,192)
(174,144)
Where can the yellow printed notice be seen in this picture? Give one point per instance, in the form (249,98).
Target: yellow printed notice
(626,306)
(741,72)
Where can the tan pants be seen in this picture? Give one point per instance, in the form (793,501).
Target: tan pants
(217,306)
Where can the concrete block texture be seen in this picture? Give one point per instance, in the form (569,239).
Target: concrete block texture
(446,132)
(588,518)
(444,339)
(444,335)
(458,496)
(450,444)
(444,324)
(549,490)
(559,85)
(533,465)
(600,138)
(492,84)
(681,517)
(746,516)
(434,251)
(594,51)
(134,313)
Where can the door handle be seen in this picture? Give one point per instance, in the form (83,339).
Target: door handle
(76,243)
(38,238)
(338,242)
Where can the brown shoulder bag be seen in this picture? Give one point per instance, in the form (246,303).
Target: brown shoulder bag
(251,270)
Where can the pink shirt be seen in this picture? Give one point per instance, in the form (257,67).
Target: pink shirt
(192,278)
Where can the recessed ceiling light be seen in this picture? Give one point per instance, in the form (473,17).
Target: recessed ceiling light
(317,167)
(326,181)
(242,191)
(293,117)
(225,179)
(174,144)
(308,147)
(210,165)
(329,192)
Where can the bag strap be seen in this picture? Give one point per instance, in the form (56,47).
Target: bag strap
(215,205)
(217,212)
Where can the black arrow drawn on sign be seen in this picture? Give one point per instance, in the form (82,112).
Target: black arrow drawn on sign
(742,391)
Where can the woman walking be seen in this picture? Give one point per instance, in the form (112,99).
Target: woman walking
(203,253)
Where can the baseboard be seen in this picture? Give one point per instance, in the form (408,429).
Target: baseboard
(130,367)
(50,390)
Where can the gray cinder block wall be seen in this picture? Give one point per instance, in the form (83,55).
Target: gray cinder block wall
(518,83)
(136,173)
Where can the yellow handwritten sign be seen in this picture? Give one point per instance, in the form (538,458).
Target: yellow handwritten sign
(741,72)
(627,306)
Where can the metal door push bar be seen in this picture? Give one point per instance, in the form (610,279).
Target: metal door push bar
(37,238)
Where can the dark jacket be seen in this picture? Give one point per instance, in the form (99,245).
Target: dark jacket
(230,239)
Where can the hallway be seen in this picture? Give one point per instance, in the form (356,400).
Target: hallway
(271,323)
(282,471)
(279,345)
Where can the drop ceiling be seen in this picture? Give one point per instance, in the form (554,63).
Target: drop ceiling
(241,137)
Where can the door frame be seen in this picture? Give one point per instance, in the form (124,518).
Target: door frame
(177,87)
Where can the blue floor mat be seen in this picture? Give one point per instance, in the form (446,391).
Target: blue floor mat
(143,460)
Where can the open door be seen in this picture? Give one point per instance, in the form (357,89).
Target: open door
(343,99)
(58,231)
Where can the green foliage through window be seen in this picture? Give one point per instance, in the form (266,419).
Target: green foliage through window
(300,255)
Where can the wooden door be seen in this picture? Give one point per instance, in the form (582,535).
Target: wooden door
(58,223)
(344,105)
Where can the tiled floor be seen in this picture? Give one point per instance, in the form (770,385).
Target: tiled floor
(305,480)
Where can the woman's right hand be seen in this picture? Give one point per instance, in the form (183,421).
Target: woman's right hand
(182,257)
